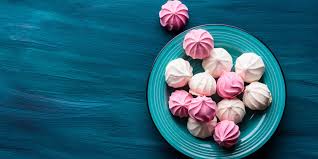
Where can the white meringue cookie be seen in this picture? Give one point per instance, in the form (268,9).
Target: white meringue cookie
(219,61)
(202,84)
(257,96)
(250,67)
(231,109)
(201,129)
(178,73)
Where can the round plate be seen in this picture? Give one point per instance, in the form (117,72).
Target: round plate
(256,128)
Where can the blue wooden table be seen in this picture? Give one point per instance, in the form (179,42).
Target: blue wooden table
(74,74)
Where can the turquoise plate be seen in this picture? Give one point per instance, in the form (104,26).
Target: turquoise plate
(256,128)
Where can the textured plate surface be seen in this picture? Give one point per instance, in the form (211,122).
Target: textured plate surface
(256,128)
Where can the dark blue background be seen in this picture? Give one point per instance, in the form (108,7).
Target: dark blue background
(74,74)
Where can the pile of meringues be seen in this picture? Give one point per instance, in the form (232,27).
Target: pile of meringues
(206,117)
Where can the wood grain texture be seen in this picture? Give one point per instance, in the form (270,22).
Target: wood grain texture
(74,74)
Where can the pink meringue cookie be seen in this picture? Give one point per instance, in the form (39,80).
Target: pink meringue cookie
(198,44)
(179,102)
(202,109)
(173,15)
(226,133)
(229,85)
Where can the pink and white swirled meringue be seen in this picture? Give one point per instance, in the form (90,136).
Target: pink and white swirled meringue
(250,67)
(231,109)
(202,108)
(226,133)
(201,129)
(229,85)
(202,84)
(179,102)
(257,96)
(178,73)
(198,44)
(173,15)
(220,61)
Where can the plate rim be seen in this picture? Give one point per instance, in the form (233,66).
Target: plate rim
(233,27)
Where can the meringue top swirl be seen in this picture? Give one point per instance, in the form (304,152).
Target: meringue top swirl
(178,73)
(226,133)
(179,102)
(173,15)
(202,84)
(229,85)
(231,109)
(201,129)
(250,67)
(220,61)
(257,96)
(198,44)
(202,108)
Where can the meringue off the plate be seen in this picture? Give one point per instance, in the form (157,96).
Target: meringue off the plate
(256,127)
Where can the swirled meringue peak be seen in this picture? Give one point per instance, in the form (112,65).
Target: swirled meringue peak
(219,61)
(250,67)
(229,85)
(231,109)
(178,73)
(202,84)
(257,96)
(202,108)
(198,43)
(201,129)
(173,15)
(226,133)
(179,102)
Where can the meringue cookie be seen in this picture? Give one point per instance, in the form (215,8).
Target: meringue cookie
(201,129)
(173,15)
(219,61)
(198,44)
(226,133)
(202,84)
(202,109)
(257,96)
(229,85)
(179,102)
(250,67)
(178,73)
(231,109)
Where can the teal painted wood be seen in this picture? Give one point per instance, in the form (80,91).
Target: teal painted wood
(256,128)
(74,73)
